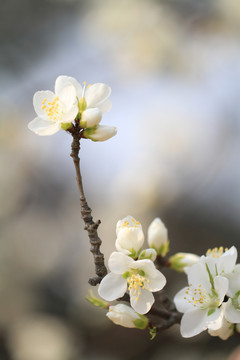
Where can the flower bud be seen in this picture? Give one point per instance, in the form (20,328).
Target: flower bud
(130,236)
(158,237)
(100,132)
(148,254)
(181,260)
(90,118)
(125,316)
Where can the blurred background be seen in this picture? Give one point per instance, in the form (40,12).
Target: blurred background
(174,70)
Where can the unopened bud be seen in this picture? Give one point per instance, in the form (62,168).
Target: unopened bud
(90,118)
(124,315)
(158,237)
(150,254)
(130,236)
(181,260)
(100,132)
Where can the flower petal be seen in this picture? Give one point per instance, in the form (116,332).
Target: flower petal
(68,97)
(180,301)
(112,287)
(232,314)
(198,275)
(193,323)
(44,127)
(38,98)
(157,283)
(221,287)
(63,81)
(105,106)
(96,94)
(70,115)
(141,303)
(119,263)
(227,261)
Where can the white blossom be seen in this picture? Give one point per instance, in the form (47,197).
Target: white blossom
(130,236)
(93,101)
(158,237)
(232,310)
(54,109)
(139,277)
(220,261)
(221,327)
(124,315)
(200,301)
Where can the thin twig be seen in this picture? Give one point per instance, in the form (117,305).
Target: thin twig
(86,212)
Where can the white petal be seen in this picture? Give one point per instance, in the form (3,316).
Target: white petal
(232,314)
(157,233)
(193,323)
(227,261)
(43,127)
(157,283)
(147,266)
(38,98)
(130,238)
(112,286)
(234,281)
(91,117)
(182,304)
(198,275)
(70,115)
(144,302)
(119,263)
(221,287)
(96,94)
(105,106)
(68,97)
(63,81)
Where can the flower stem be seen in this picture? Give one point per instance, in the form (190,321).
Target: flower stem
(86,212)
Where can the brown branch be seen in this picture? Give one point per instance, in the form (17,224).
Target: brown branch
(86,212)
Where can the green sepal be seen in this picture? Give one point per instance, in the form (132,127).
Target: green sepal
(82,105)
(176,264)
(66,126)
(141,323)
(133,254)
(141,272)
(163,250)
(96,301)
(126,274)
(90,131)
(211,311)
(153,332)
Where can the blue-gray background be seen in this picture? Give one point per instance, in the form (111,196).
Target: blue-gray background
(174,70)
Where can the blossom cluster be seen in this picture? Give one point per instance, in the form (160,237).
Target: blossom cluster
(73,102)
(132,270)
(211,301)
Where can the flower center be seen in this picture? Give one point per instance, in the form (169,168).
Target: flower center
(216,252)
(137,282)
(52,109)
(200,298)
(131,223)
